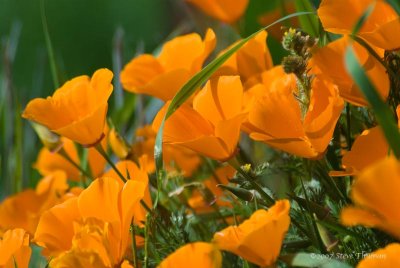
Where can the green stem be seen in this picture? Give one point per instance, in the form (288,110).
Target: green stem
(146,241)
(64,154)
(348,122)
(322,172)
(134,249)
(144,205)
(101,151)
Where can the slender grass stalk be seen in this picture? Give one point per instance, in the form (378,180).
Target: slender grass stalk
(146,241)
(49,46)
(134,248)
(348,123)
(101,151)
(64,154)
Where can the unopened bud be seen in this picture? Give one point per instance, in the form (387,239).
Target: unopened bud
(294,64)
(49,139)
(241,193)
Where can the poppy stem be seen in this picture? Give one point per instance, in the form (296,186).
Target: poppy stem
(134,248)
(250,178)
(101,151)
(64,154)
(146,241)
(348,123)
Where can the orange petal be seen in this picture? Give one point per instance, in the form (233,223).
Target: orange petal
(210,146)
(101,200)
(368,148)
(183,125)
(140,71)
(377,189)
(249,61)
(14,249)
(279,108)
(379,29)
(194,255)
(132,172)
(220,99)
(77,110)
(55,229)
(387,257)
(88,130)
(223,10)
(323,112)
(352,216)
(248,239)
(48,162)
(182,51)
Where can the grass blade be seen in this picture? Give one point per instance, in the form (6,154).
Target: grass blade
(49,46)
(308,23)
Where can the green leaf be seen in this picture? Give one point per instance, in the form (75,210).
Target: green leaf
(383,113)
(315,260)
(195,82)
(308,23)
(395,4)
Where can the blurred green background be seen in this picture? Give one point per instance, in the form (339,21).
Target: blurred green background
(87,35)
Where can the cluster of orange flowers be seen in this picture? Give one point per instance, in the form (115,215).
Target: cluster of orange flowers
(293,107)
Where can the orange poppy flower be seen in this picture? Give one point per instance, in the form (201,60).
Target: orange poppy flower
(329,60)
(380,29)
(77,110)
(249,62)
(212,126)
(220,176)
(222,10)
(177,62)
(175,157)
(91,247)
(130,170)
(368,148)
(275,116)
(387,257)
(374,193)
(258,239)
(24,209)
(14,249)
(84,258)
(48,162)
(194,255)
(98,220)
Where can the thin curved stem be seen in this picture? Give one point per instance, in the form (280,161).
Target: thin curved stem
(101,151)
(64,154)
